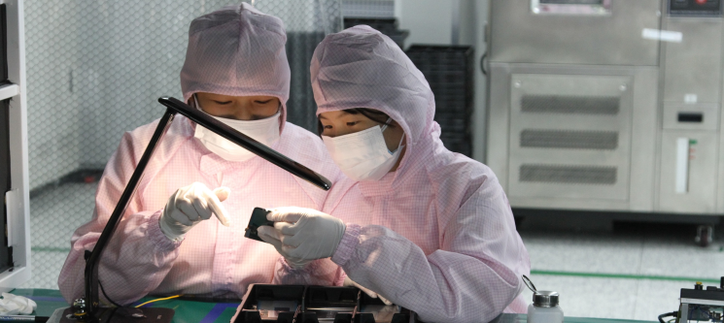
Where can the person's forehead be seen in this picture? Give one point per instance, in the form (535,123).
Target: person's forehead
(218,95)
(335,114)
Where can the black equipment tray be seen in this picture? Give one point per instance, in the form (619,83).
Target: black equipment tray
(314,304)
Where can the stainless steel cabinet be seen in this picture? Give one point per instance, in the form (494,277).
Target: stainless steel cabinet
(608,105)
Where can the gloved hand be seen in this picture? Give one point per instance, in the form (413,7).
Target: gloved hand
(305,234)
(349,282)
(274,237)
(191,205)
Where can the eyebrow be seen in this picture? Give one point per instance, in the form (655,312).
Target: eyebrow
(322,117)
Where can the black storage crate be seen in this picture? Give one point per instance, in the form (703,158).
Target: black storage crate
(449,71)
(312,304)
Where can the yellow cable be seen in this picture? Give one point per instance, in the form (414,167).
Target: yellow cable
(158,299)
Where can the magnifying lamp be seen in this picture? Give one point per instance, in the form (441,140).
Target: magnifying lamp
(88,309)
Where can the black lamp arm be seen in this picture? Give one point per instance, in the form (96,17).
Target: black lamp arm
(245,141)
(174,106)
(93,261)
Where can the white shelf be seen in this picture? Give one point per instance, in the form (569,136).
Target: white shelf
(9,90)
(17,199)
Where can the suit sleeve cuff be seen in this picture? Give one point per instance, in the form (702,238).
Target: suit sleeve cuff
(156,235)
(347,245)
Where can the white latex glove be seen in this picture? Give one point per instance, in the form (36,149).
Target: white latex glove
(306,234)
(349,282)
(274,237)
(13,304)
(191,205)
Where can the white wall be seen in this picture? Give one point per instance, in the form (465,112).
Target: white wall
(429,21)
(437,22)
(53,44)
(479,120)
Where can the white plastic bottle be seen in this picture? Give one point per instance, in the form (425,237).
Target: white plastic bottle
(545,308)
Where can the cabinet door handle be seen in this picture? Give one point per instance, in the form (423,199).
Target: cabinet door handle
(682,165)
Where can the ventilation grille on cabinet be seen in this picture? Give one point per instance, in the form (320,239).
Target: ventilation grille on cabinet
(571,104)
(569,139)
(568,174)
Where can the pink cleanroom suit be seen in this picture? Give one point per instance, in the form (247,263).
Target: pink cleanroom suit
(235,51)
(437,235)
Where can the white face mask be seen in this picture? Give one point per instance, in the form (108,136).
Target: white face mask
(363,155)
(265,131)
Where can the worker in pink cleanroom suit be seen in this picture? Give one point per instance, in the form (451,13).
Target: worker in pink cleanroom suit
(420,226)
(173,238)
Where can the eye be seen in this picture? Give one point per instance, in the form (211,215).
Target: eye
(352,123)
(263,102)
(222,102)
(326,126)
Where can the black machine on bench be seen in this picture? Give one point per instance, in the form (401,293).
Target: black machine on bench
(700,304)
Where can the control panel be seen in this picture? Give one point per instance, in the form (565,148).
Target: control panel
(705,8)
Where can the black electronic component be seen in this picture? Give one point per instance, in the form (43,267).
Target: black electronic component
(258,218)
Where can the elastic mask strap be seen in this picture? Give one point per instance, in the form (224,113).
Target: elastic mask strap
(399,144)
(196,102)
(384,126)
